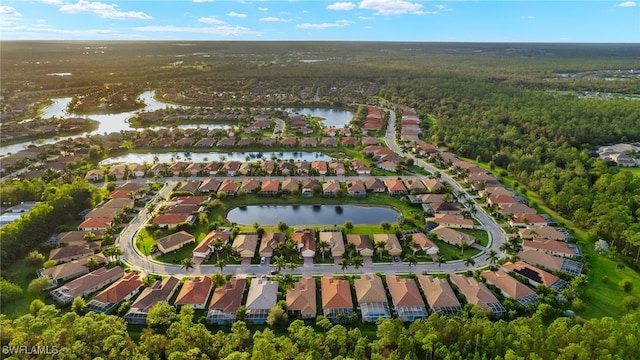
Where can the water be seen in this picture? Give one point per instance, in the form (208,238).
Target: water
(332,117)
(107,122)
(312,214)
(139,158)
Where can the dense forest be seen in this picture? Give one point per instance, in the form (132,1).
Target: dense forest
(469,335)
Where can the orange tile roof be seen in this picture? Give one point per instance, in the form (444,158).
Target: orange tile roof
(120,289)
(302,296)
(229,296)
(336,293)
(195,291)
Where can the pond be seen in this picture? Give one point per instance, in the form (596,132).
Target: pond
(312,214)
(332,117)
(139,158)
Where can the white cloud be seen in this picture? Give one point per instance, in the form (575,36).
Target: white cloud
(235,14)
(440,6)
(274,19)
(9,16)
(322,26)
(211,20)
(107,11)
(225,30)
(9,11)
(52,2)
(627,4)
(342,6)
(421,12)
(366,18)
(263,9)
(391,7)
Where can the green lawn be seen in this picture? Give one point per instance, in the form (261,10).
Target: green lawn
(635,171)
(174,257)
(21,274)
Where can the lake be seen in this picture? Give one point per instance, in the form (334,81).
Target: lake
(332,117)
(312,214)
(139,158)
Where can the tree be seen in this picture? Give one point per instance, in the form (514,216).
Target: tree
(348,225)
(323,246)
(601,247)
(9,291)
(218,280)
(279,263)
(385,225)
(78,305)
(277,316)
(241,312)
(345,263)
(415,247)
(221,263)
(492,256)
(161,315)
(411,259)
(357,262)
(38,285)
(89,236)
(186,264)
(282,226)
(35,259)
(440,260)
(468,261)
(49,264)
(92,263)
(35,306)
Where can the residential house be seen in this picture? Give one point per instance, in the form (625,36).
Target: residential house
(269,242)
(190,200)
(543,232)
(303,167)
(268,167)
(553,247)
(174,241)
(206,142)
(414,185)
(337,167)
(171,221)
(388,166)
(319,166)
(269,188)
(118,171)
(190,186)
(308,142)
(534,275)
(70,253)
(428,246)
(477,294)
(406,299)
(123,289)
(226,142)
(439,295)
(211,168)
(231,167)
(307,187)
(245,168)
(288,142)
(178,167)
(228,187)
(286,168)
(65,271)
(372,298)
(250,185)
(329,142)
(453,221)
(349,141)
(159,291)
(245,244)
(267,142)
(501,199)
(551,262)
(453,237)
(432,185)
(205,247)
(375,185)
(510,287)
(262,296)
(225,302)
(95,175)
(363,244)
(330,188)
(335,241)
(245,142)
(86,284)
(355,188)
(94,224)
(184,143)
(305,241)
(209,185)
(393,244)
(525,220)
(194,169)
(395,187)
(337,303)
(301,298)
(516,208)
(360,168)
(195,292)
(289,185)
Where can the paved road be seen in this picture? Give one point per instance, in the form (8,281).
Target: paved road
(137,261)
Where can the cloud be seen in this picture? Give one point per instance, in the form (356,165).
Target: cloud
(342,6)
(322,26)
(263,9)
(235,14)
(52,2)
(9,16)
(421,12)
(627,4)
(211,20)
(224,30)
(9,11)
(274,19)
(106,11)
(366,18)
(391,7)
(440,6)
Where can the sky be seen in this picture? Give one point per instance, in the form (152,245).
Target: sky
(315,20)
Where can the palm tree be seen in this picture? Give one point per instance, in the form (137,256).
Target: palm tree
(440,260)
(218,280)
(380,247)
(92,263)
(345,263)
(411,259)
(492,256)
(186,264)
(468,261)
(323,246)
(217,245)
(279,263)
(415,247)
(357,262)
(350,249)
(221,263)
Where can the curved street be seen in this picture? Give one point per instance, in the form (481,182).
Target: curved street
(137,261)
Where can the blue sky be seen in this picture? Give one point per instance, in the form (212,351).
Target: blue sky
(364,20)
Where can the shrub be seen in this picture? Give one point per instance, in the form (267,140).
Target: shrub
(626,285)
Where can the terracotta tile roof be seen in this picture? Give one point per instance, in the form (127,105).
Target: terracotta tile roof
(507,284)
(67,270)
(374,183)
(355,186)
(548,245)
(394,185)
(228,297)
(369,288)
(531,272)
(390,239)
(245,244)
(414,184)
(249,185)
(228,186)
(302,296)
(171,219)
(97,222)
(445,219)
(270,186)
(360,241)
(306,239)
(336,293)
(195,291)
(117,291)
(475,292)
(438,292)
(404,292)
(190,200)
(290,184)
(269,242)
(335,240)
(544,232)
(81,285)
(181,209)
(541,259)
(331,186)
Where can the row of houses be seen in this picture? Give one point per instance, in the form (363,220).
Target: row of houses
(409,124)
